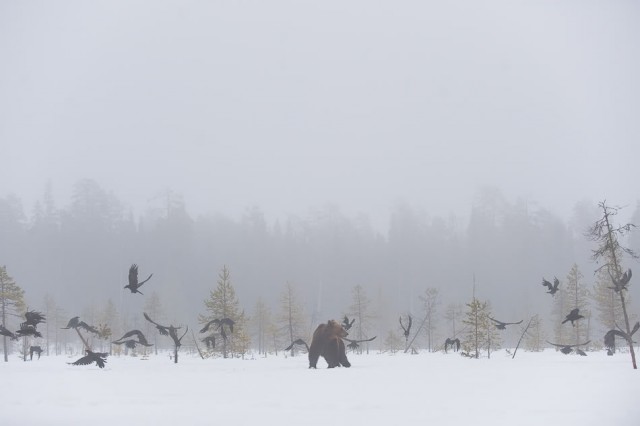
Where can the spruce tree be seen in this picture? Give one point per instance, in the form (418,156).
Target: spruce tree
(480,332)
(223,303)
(577,296)
(11,304)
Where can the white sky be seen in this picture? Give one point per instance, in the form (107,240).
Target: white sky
(293,104)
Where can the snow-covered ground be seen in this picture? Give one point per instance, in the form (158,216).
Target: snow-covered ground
(533,389)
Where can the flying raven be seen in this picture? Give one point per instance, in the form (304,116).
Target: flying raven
(610,337)
(129,339)
(134,285)
(98,357)
(454,343)
(5,332)
(621,284)
(28,330)
(552,287)
(346,324)
(503,325)
(573,316)
(220,323)
(297,342)
(170,330)
(33,318)
(406,329)
(353,344)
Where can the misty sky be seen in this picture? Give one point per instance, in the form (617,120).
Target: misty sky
(294,104)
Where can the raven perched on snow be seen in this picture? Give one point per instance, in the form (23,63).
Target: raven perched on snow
(98,357)
(567,349)
(134,285)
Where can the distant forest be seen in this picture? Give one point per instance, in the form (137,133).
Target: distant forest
(79,254)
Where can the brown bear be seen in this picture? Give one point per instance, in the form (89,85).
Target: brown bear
(327,341)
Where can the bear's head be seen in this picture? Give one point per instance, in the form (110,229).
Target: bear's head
(336,329)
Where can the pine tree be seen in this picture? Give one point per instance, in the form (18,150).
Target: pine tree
(223,303)
(480,332)
(291,317)
(11,303)
(577,296)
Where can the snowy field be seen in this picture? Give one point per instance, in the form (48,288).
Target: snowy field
(533,389)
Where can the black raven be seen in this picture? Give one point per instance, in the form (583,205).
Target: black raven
(220,323)
(406,329)
(573,316)
(73,323)
(170,330)
(297,342)
(134,285)
(353,344)
(129,339)
(503,325)
(28,330)
(33,318)
(621,284)
(552,287)
(610,337)
(5,332)
(98,357)
(454,343)
(346,323)
(567,349)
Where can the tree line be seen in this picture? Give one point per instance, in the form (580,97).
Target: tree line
(74,258)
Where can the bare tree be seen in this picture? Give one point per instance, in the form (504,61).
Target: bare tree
(430,301)
(609,252)
(291,317)
(359,309)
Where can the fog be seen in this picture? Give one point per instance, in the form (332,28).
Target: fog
(363,109)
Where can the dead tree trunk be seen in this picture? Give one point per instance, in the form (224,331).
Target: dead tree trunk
(521,337)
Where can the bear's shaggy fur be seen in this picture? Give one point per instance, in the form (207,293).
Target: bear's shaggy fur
(327,342)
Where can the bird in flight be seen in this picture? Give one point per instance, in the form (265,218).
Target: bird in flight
(132,338)
(346,323)
(621,284)
(170,330)
(503,325)
(134,285)
(574,315)
(552,287)
(297,342)
(5,332)
(33,318)
(406,329)
(100,358)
